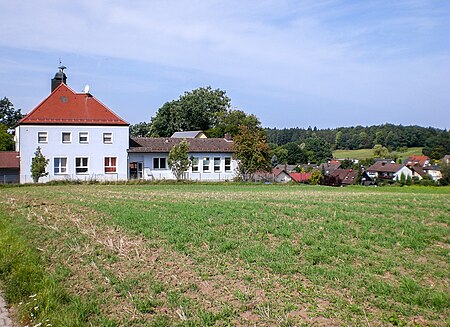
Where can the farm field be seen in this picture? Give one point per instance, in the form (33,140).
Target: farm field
(368,153)
(225,255)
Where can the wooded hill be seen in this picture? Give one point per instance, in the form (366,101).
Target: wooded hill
(436,142)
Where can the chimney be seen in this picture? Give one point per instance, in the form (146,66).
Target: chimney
(228,137)
(59,78)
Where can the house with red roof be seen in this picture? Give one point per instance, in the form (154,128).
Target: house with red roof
(383,170)
(300,177)
(82,138)
(421,161)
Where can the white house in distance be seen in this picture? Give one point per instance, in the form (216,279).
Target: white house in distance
(388,171)
(212,158)
(80,136)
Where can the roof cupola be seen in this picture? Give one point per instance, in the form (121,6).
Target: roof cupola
(60,77)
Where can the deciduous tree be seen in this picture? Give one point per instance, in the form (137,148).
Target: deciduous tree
(380,151)
(228,122)
(9,116)
(194,110)
(317,149)
(252,151)
(6,139)
(179,159)
(141,129)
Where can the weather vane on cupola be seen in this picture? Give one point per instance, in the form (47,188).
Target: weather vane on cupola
(60,76)
(61,66)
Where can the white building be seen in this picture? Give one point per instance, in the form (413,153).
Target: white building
(212,158)
(81,137)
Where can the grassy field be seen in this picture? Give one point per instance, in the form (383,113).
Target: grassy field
(368,153)
(225,255)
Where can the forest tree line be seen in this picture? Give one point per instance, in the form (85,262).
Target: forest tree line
(435,141)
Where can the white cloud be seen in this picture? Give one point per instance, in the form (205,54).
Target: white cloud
(346,52)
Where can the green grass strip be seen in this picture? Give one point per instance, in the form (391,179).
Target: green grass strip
(38,295)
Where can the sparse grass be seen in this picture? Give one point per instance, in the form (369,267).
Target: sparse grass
(368,153)
(227,254)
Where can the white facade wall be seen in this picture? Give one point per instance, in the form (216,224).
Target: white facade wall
(94,149)
(405,171)
(150,172)
(283,178)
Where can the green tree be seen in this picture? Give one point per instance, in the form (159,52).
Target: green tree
(38,165)
(380,151)
(281,154)
(317,149)
(295,153)
(141,129)
(229,121)
(379,137)
(337,140)
(195,110)
(316,177)
(6,139)
(445,171)
(9,116)
(252,151)
(179,159)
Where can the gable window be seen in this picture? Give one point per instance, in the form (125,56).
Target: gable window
(66,137)
(216,164)
(159,163)
(83,137)
(60,166)
(42,137)
(110,164)
(206,164)
(227,163)
(195,161)
(107,138)
(81,165)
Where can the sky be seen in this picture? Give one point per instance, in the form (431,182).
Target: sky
(324,63)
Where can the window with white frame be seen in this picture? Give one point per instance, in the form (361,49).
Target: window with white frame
(42,137)
(83,137)
(81,165)
(110,164)
(216,164)
(195,161)
(206,162)
(159,163)
(107,138)
(227,163)
(66,137)
(60,165)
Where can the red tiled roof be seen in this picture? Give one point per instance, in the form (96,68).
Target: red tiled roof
(65,107)
(9,159)
(165,144)
(385,167)
(277,171)
(300,177)
(417,160)
(346,176)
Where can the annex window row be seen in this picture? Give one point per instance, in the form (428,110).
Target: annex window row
(206,164)
(83,137)
(60,165)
